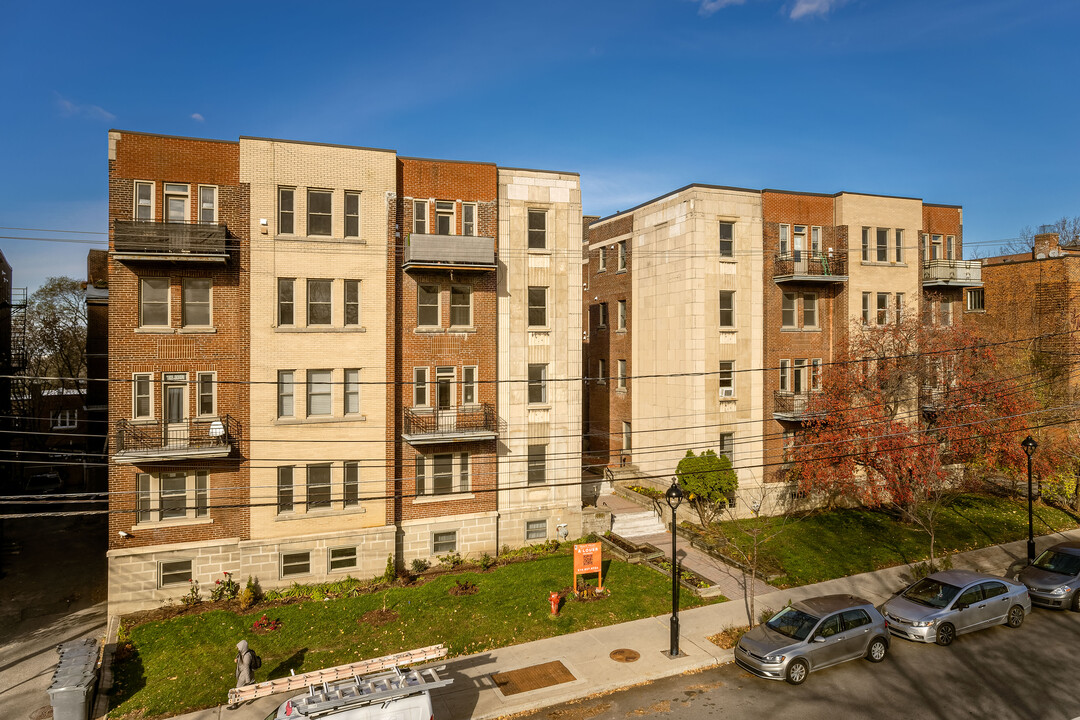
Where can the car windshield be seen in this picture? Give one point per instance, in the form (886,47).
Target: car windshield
(793,623)
(1057,562)
(932,593)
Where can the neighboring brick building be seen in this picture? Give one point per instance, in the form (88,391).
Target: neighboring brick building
(386,347)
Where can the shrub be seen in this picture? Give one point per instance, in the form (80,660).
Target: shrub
(192,598)
(390,573)
(226,589)
(451,561)
(265,625)
(419,565)
(486,562)
(250,595)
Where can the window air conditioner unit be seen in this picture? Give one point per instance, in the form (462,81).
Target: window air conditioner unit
(727,392)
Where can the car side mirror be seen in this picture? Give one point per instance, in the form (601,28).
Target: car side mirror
(819,638)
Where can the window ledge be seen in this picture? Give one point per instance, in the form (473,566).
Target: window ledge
(198,330)
(319,329)
(425,499)
(539,328)
(171,522)
(800,330)
(142,421)
(620,272)
(539,251)
(538,406)
(621,331)
(461,329)
(318,419)
(883,263)
(154,330)
(727,259)
(621,390)
(726,329)
(320,512)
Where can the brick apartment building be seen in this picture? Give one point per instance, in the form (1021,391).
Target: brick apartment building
(378,366)
(712,310)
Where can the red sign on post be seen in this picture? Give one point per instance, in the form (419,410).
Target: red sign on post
(587,560)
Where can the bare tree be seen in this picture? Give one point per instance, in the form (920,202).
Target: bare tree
(1068,230)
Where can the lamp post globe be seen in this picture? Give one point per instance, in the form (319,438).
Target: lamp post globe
(1029,446)
(674,497)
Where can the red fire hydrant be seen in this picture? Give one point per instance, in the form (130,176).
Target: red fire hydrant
(555,598)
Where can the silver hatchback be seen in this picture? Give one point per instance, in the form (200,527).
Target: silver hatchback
(946,604)
(1052,580)
(813,634)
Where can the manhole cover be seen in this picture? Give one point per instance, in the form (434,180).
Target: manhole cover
(625,655)
(42,713)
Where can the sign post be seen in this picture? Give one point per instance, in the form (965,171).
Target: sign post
(587,559)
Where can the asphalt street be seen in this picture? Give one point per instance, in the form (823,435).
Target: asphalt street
(1028,674)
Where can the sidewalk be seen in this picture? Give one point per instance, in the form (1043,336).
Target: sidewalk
(586,654)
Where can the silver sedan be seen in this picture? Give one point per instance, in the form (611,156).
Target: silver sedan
(1054,578)
(946,604)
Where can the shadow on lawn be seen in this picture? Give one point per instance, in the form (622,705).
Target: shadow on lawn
(129,677)
(292,663)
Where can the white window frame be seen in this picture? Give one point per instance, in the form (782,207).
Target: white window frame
(538,385)
(285,500)
(349,195)
(350,492)
(294,563)
(784,240)
(866,308)
(899,237)
(542,307)
(66,419)
(148,281)
(815,374)
(601,253)
(342,558)
(624,252)
(970,303)
(286,390)
(881,245)
(469,226)
(469,375)
(445,209)
(151,496)
(209,303)
(420,217)
(621,374)
(725,377)
(457,470)
(326,489)
(881,315)
(899,307)
(316,389)
(421,389)
(950,247)
(789,306)
(444,541)
(785,373)
(620,315)
(181,578)
(726,246)
(726,445)
(136,378)
(810,310)
(213,189)
(815,240)
(351,391)
(171,190)
(151,214)
(202,379)
(540,232)
(535,530)
(438,305)
(461,291)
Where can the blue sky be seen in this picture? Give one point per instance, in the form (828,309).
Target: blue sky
(962,102)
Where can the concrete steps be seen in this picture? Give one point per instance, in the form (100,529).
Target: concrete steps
(636,524)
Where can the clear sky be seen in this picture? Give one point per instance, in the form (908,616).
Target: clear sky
(965,102)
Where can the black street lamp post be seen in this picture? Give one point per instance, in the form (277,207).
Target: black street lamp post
(1029,446)
(674,496)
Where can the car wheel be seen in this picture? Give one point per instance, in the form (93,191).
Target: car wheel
(876,651)
(797,671)
(1016,617)
(1076,601)
(946,633)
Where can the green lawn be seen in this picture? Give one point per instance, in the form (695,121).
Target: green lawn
(823,546)
(186,663)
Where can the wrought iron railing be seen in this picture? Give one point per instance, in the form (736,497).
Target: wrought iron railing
(813,266)
(176,238)
(162,436)
(450,421)
(794,404)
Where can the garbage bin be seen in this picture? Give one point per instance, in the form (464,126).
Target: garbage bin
(74,680)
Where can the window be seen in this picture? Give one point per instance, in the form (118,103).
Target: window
(621,313)
(420,216)
(538,306)
(176,202)
(318,212)
(537,464)
(142,397)
(195,305)
(202,493)
(726,375)
(142,498)
(936,251)
(866,308)
(727,239)
(319,392)
(285,289)
(882,245)
(442,480)
(319,301)
(785,369)
(946,312)
(420,387)
(950,242)
(174,572)
(460,306)
(621,365)
(444,217)
(318,487)
(443,542)
(286,211)
(622,256)
(537,383)
(602,315)
(882,308)
(993,589)
(855,618)
(899,245)
(172,495)
(601,371)
(798,240)
(809,309)
(727,445)
(627,437)
(352,392)
(204,386)
(144,201)
(537,229)
(154,302)
(975,301)
(341,558)
(787,311)
(295,563)
(65,419)
(352,214)
(285,489)
(727,308)
(427,305)
(352,302)
(285,402)
(899,307)
(468,385)
(602,255)
(815,241)
(351,493)
(468,218)
(207,204)
(535,530)
(785,243)
(815,374)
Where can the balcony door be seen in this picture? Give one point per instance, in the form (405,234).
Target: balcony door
(174,400)
(444,398)
(798,246)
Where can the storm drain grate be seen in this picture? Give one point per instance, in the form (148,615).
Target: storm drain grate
(624,655)
(533,677)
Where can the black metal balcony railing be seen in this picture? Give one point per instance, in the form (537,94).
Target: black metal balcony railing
(805,267)
(154,237)
(170,440)
(461,423)
(794,406)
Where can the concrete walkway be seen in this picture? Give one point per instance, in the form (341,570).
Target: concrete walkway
(587,654)
(727,580)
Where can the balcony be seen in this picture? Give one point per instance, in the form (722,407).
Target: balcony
(792,406)
(449,252)
(154,241)
(802,268)
(952,273)
(159,441)
(426,426)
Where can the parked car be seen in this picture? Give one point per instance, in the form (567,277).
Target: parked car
(813,634)
(43,483)
(1052,580)
(946,604)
